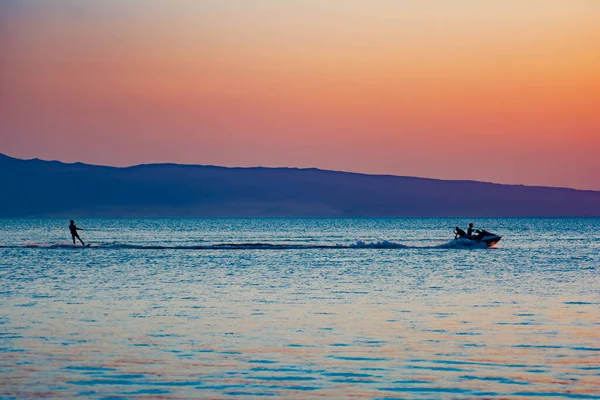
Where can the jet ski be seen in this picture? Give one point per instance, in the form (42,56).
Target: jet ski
(481,236)
(490,239)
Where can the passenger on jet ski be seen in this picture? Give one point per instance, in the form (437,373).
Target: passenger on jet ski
(459,233)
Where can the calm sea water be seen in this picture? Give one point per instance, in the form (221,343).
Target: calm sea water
(334,308)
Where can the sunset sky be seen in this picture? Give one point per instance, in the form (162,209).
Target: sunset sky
(503,91)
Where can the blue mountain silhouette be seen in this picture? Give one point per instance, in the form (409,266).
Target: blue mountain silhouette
(35,188)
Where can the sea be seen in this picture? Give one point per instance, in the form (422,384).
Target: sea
(299,308)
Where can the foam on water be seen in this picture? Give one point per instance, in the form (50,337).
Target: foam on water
(462,243)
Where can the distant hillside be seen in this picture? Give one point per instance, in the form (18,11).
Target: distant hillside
(34,188)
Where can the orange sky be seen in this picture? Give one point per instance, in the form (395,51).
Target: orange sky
(466,89)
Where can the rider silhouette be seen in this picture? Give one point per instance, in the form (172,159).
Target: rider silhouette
(74,233)
(470,230)
(459,233)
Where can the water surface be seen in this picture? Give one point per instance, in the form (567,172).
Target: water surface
(374,308)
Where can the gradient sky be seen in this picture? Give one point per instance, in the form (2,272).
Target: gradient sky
(504,91)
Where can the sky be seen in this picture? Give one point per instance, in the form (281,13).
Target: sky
(502,91)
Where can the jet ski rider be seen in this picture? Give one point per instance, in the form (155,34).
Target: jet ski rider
(470,230)
(468,234)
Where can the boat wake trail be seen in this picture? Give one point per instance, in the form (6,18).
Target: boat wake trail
(360,244)
(462,244)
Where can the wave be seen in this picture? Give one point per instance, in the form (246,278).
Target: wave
(360,244)
(378,245)
(462,243)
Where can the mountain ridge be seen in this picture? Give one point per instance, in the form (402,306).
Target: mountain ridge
(168,164)
(53,188)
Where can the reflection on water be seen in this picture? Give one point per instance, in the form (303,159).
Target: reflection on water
(518,321)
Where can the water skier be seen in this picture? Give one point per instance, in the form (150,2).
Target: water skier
(74,233)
